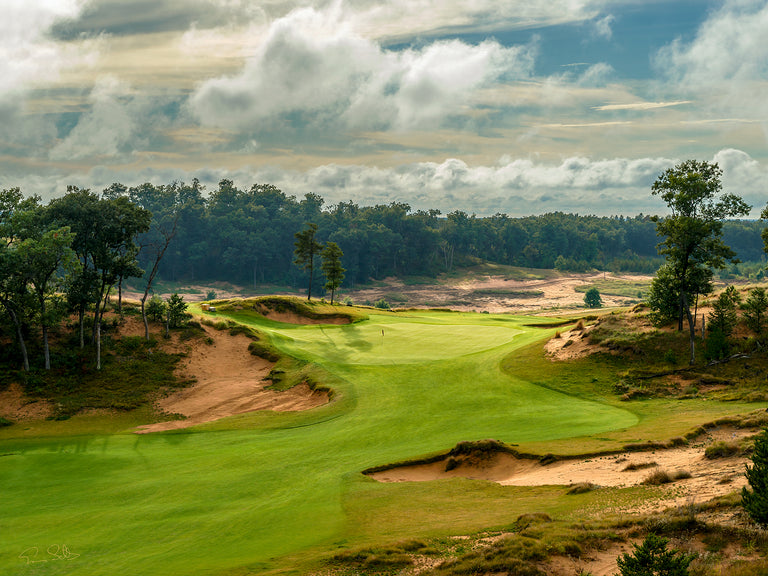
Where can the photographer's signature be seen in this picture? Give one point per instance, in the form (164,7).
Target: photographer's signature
(54,552)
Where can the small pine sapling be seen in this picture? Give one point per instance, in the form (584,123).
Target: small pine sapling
(652,558)
(755,501)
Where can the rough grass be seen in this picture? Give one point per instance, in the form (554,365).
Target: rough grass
(132,370)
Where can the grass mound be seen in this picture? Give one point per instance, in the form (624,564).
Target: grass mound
(311,310)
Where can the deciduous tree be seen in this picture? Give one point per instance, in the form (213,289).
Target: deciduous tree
(592,298)
(693,244)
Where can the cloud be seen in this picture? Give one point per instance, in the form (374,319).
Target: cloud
(27,55)
(515,186)
(313,68)
(641,105)
(603,27)
(117,122)
(138,17)
(726,63)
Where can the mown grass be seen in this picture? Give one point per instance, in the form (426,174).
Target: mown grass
(275,493)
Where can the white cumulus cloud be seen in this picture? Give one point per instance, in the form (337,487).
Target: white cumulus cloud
(27,55)
(312,65)
(726,64)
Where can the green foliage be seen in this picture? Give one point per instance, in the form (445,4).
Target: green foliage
(176,311)
(717,346)
(723,317)
(755,498)
(754,309)
(592,298)
(210,295)
(306,248)
(331,265)
(652,558)
(664,296)
(693,244)
(381,304)
(156,309)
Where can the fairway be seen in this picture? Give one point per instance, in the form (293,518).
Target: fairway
(241,497)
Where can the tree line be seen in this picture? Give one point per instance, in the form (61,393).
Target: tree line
(246,237)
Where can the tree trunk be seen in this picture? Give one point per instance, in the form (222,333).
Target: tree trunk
(20,335)
(81,322)
(120,298)
(98,346)
(46,348)
(691,328)
(311,274)
(144,317)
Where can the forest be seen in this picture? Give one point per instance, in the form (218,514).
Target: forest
(246,236)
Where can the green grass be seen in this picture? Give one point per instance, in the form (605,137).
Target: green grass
(273,493)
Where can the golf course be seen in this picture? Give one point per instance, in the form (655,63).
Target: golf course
(282,492)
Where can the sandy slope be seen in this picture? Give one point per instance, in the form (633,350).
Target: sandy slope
(229,380)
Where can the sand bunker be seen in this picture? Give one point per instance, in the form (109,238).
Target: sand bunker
(229,380)
(709,478)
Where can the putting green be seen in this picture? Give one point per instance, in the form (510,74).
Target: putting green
(243,500)
(405,342)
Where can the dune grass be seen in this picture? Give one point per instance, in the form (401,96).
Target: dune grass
(270,493)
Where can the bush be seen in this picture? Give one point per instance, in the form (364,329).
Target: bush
(755,501)
(155,309)
(592,298)
(652,558)
(721,450)
(177,311)
(210,295)
(381,304)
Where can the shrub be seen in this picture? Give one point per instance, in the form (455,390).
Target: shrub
(581,488)
(381,304)
(5,422)
(651,558)
(755,500)
(210,295)
(177,311)
(721,450)
(657,478)
(592,298)
(631,467)
(155,309)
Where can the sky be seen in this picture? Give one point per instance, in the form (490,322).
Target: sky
(487,106)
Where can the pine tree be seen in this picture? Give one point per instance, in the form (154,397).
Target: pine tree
(306,248)
(755,501)
(334,273)
(652,558)
(755,308)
